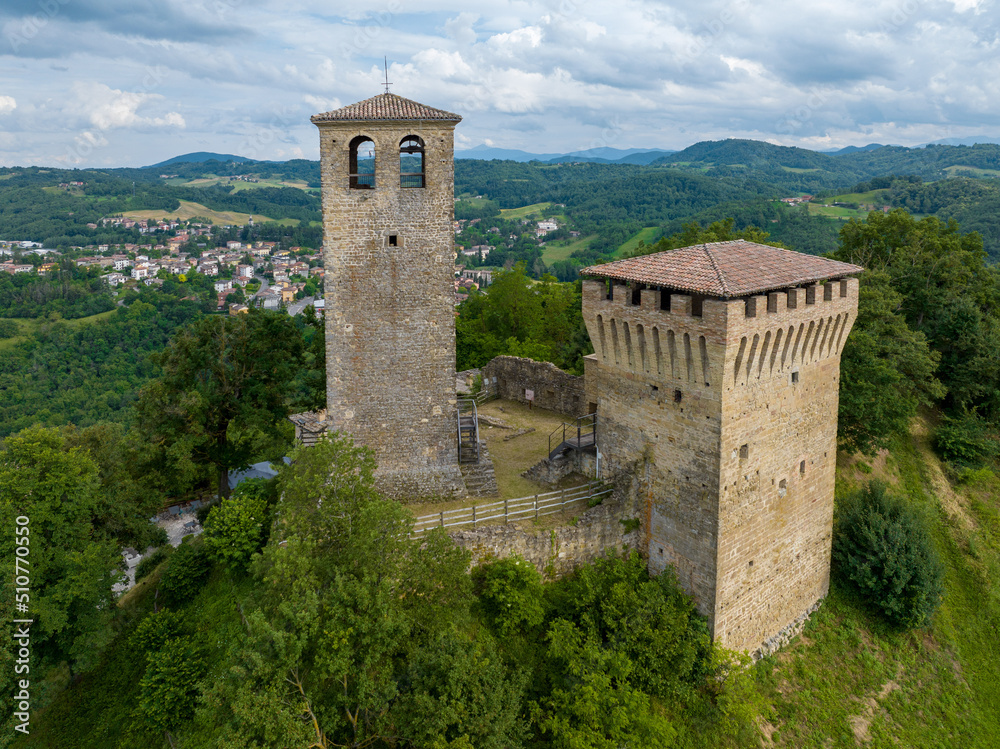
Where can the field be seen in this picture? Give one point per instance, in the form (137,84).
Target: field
(561,249)
(849,680)
(971,171)
(29,326)
(536,210)
(647,235)
(190,210)
(835,211)
(238,185)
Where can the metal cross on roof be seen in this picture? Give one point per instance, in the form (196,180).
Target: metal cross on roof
(386,83)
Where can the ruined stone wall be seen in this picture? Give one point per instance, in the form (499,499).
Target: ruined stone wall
(558,551)
(723,407)
(554,389)
(390,328)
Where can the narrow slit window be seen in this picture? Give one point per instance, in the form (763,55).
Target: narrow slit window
(362,164)
(411,162)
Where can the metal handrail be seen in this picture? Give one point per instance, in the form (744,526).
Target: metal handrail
(464,406)
(581,427)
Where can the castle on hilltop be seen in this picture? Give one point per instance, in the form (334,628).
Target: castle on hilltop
(715,376)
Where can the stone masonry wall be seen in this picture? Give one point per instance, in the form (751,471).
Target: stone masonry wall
(554,389)
(710,406)
(558,551)
(390,328)
(778,458)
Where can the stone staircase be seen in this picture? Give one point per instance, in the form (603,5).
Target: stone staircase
(480,478)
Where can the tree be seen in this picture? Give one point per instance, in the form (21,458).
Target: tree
(71,562)
(349,600)
(222,393)
(886,371)
(882,549)
(236,528)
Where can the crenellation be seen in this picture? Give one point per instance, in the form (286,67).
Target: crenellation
(745,397)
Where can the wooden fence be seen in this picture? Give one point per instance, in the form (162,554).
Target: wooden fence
(510,510)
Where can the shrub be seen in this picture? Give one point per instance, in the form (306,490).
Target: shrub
(150,563)
(965,441)
(155,630)
(234,530)
(883,551)
(510,594)
(168,692)
(188,568)
(8,329)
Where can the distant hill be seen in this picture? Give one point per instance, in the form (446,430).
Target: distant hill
(601,155)
(200,157)
(853,149)
(970,140)
(738,152)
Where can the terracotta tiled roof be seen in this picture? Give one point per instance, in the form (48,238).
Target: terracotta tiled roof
(385,107)
(724,269)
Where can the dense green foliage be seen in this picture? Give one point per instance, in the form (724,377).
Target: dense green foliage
(882,548)
(966,440)
(84,374)
(221,398)
(152,561)
(70,292)
(79,508)
(928,327)
(541,321)
(189,566)
(237,527)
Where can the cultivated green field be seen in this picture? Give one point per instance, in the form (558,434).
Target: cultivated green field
(536,210)
(561,249)
(27,327)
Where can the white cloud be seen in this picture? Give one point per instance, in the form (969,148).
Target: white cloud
(544,75)
(106,108)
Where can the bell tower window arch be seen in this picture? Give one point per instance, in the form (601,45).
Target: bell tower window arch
(411,162)
(362,166)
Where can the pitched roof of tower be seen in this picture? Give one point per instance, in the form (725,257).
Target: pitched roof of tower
(385,107)
(724,269)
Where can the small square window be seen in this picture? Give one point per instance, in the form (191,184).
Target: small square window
(393,240)
(744,452)
(677,396)
(795,377)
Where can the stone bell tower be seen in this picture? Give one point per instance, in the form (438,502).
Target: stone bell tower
(388,207)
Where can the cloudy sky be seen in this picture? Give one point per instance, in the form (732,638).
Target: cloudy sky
(133,82)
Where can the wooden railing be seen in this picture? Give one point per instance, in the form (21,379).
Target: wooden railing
(511,510)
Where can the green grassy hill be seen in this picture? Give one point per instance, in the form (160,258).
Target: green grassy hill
(847,681)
